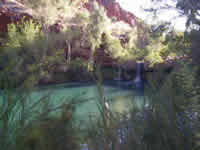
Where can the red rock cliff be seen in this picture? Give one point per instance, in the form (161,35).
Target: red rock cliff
(11,12)
(114,9)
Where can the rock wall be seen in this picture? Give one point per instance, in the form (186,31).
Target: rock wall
(114,10)
(11,12)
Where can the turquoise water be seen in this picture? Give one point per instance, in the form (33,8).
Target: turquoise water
(86,98)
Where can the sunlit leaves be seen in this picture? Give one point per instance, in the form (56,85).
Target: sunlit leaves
(97,24)
(50,11)
(30,30)
(114,48)
(28,54)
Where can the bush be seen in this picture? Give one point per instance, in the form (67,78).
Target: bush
(167,123)
(29,54)
(18,54)
(27,123)
(113,47)
(51,133)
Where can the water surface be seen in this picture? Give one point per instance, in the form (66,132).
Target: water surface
(85,97)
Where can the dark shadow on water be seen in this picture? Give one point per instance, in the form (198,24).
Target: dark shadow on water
(136,87)
(66,85)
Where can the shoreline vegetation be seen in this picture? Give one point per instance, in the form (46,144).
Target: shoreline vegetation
(80,47)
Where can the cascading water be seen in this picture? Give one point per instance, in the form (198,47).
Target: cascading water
(118,78)
(139,84)
(139,70)
(138,80)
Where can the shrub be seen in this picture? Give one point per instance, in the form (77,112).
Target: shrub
(50,11)
(97,24)
(113,47)
(18,55)
(29,54)
(51,133)
(167,123)
(27,123)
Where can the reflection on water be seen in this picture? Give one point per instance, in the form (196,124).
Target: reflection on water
(124,104)
(121,104)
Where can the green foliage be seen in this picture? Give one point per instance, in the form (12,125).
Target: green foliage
(193,40)
(191,10)
(27,123)
(131,47)
(49,11)
(78,65)
(139,48)
(176,43)
(81,18)
(184,86)
(132,40)
(97,25)
(155,127)
(18,56)
(154,52)
(187,8)
(28,54)
(113,47)
(50,133)
(172,102)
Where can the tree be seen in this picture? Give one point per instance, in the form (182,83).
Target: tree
(191,10)
(26,57)
(188,8)
(98,22)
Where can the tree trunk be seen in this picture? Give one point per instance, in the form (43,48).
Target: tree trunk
(68,52)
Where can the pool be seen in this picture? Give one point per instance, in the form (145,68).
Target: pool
(85,97)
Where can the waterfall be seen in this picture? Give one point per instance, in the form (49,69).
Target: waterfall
(139,71)
(140,101)
(119,73)
(118,78)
